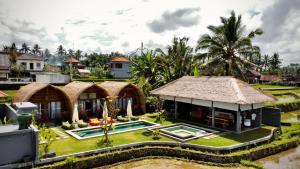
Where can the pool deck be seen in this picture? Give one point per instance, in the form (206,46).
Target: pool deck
(72,132)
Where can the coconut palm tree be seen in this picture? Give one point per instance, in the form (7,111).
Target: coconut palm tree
(61,51)
(13,48)
(227,48)
(36,49)
(178,61)
(25,48)
(266,61)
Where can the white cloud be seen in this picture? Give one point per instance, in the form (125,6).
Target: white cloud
(118,25)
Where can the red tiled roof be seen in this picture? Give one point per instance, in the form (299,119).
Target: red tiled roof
(269,78)
(73,60)
(255,73)
(119,59)
(3,95)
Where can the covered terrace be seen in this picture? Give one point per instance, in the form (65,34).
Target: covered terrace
(222,102)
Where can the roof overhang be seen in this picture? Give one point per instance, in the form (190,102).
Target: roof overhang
(216,104)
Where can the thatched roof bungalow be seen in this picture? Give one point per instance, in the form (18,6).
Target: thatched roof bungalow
(125,91)
(222,100)
(53,103)
(87,98)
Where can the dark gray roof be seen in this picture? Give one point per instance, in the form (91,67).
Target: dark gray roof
(30,57)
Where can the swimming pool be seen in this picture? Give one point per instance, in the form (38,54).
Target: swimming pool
(120,128)
(183,132)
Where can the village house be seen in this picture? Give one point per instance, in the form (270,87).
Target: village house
(119,67)
(32,63)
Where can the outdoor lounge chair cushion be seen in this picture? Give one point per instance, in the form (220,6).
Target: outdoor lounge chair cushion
(94,122)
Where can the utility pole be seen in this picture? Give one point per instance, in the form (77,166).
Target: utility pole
(142,48)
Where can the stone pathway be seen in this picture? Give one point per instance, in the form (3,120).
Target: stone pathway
(60,133)
(216,135)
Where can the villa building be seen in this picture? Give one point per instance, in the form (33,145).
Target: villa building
(86,98)
(223,102)
(119,67)
(124,91)
(32,63)
(53,104)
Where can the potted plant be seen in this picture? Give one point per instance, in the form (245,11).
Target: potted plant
(24,120)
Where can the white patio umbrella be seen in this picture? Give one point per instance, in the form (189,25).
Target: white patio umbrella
(75,116)
(129,109)
(105,111)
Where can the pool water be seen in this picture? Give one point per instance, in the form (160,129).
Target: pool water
(98,131)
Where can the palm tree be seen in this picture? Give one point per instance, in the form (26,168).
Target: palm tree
(60,50)
(25,48)
(275,63)
(70,52)
(36,49)
(266,61)
(5,48)
(227,48)
(13,48)
(78,54)
(178,61)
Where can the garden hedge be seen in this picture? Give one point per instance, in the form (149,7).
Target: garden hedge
(286,106)
(177,152)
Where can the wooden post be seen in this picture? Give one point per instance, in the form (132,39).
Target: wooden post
(260,117)
(176,113)
(213,117)
(238,121)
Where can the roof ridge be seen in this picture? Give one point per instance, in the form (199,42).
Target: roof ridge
(238,92)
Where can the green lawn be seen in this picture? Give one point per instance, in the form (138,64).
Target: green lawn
(10,92)
(289,115)
(269,86)
(233,138)
(72,145)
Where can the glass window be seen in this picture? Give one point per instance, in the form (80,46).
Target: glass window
(38,65)
(119,65)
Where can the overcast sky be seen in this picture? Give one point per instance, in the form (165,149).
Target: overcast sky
(121,25)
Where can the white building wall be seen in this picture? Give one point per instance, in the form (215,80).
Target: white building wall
(123,72)
(35,62)
(52,78)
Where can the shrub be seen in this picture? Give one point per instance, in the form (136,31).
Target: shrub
(286,106)
(66,125)
(122,119)
(248,163)
(156,134)
(82,124)
(70,161)
(134,118)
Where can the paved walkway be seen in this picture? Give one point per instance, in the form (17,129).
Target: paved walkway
(60,133)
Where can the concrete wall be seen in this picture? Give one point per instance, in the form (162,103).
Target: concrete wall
(18,145)
(55,78)
(123,72)
(9,112)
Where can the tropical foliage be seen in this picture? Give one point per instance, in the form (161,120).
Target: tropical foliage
(227,49)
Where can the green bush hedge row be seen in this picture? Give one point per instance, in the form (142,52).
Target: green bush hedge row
(286,106)
(124,155)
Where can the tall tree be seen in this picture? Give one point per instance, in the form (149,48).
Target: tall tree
(25,48)
(78,54)
(227,48)
(13,48)
(266,60)
(5,48)
(71,52)
(275,63)
(36,49)
(47,53)
(178,61)
(61,51)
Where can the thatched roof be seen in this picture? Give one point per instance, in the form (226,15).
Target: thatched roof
(221,89)
(74,89)
(27,91)
(114,88)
